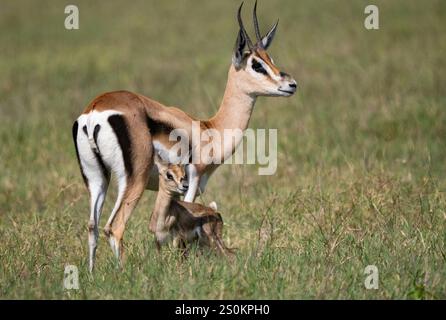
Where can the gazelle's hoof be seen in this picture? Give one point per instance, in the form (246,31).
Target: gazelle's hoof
(107,231)
(91,225)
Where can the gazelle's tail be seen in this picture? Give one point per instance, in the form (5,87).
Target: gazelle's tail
(92,134)
(213,206)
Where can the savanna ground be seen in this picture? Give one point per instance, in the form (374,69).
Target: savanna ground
(361,149)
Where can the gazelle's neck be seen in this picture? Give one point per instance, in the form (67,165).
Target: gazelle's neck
(234,112)
(236,107)
(162,205)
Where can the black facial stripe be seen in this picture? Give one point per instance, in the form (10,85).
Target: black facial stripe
(284,74)
(119,126)
(74,132)
(257,67)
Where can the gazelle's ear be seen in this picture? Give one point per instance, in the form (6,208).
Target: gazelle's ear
(237,56)
(159,162)
(266,40)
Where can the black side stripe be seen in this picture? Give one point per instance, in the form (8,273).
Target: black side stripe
(119,126)
(105,171)
(74,131)
(156,127)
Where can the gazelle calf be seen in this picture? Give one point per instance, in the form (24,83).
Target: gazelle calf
(183,222)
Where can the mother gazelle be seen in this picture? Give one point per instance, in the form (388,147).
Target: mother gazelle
(118,130)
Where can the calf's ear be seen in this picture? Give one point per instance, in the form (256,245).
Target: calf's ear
(159,162)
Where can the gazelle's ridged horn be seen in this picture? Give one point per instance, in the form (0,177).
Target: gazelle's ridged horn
(240,22)
(256,24)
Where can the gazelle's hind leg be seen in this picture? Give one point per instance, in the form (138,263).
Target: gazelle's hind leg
(97,198)
(213,230)
(96,177)
(122,187)
(130,200)
(131,166)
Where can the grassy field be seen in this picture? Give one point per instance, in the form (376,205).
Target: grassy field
(361,176)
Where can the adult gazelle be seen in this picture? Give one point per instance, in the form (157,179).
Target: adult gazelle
(118,130)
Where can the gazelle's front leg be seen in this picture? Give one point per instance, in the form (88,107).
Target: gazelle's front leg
(194,182)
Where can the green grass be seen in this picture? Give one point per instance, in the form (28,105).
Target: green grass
(361,171)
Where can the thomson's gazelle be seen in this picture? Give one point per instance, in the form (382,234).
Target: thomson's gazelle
(118,130)
(183,222)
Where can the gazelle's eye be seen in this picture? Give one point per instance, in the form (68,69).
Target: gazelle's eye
(257,67)
(169,176)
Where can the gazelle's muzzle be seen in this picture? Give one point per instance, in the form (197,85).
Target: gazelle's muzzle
(288,85)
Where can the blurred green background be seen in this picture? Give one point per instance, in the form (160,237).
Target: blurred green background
(361,168)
